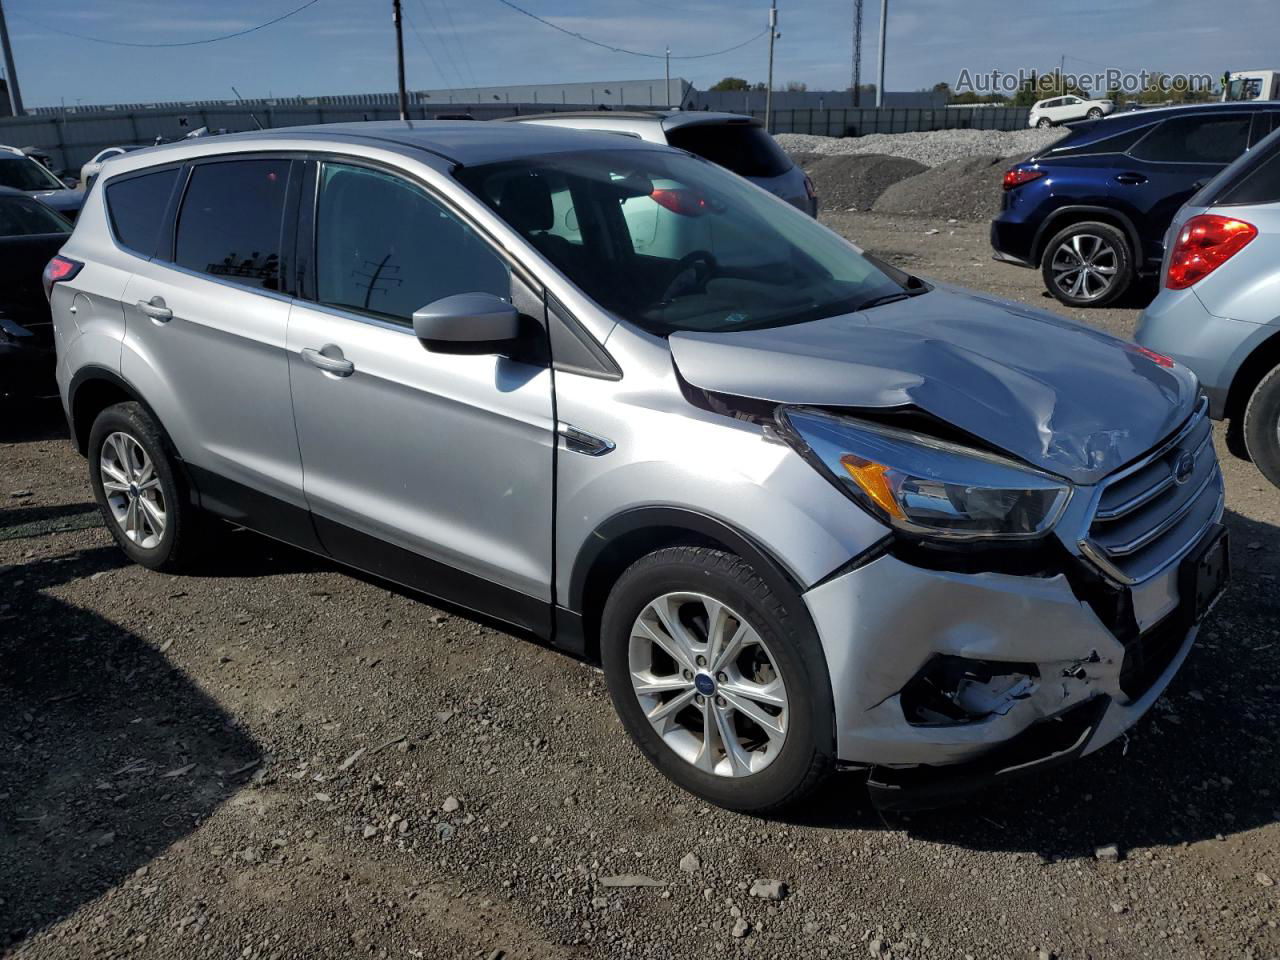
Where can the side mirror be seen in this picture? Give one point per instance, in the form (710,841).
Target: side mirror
(472,323)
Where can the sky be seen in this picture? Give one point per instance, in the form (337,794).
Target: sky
(347,46)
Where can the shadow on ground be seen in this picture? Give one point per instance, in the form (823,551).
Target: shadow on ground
(24,421)
(107,753)
(1200,764)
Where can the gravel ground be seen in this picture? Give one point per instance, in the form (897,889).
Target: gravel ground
(931,148)
(854,182)
(964,189)
(274,758)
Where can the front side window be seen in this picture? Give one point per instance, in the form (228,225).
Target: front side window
(230,223)
(21,217)
(23,173)
(137,207)
(671,242)
(384,246)
(1203,138)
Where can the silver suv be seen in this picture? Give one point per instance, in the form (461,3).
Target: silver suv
(807,510)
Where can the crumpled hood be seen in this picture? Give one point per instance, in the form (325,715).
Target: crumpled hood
(1055,393)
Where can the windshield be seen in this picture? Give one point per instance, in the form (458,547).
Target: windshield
(21,217)
(23,173)
(670,242)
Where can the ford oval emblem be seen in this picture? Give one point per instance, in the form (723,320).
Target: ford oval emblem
(1184,467)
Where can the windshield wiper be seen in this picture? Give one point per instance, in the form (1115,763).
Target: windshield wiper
(915,286)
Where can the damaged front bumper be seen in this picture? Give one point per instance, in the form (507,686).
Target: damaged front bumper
(946,682)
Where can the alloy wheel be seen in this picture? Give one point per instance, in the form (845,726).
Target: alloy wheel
(1085,266)
(132,488)
(708,684)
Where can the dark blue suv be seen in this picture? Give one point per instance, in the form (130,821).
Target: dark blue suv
(1091,211)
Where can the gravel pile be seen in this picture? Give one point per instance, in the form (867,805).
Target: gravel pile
(963,189)
(931,148)
(854,182)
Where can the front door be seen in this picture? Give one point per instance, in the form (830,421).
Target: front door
(432,469)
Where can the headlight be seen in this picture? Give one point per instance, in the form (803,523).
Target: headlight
(925,486)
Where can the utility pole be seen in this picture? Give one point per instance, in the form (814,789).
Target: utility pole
(884,18)
(1062,78)
(10,72)
(669,79)
(404,97)
(768,91)
(857,52)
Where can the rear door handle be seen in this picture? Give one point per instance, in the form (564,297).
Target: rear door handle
(1132,179)
(339,366)
(156,310)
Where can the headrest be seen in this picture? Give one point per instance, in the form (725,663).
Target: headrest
(526,203)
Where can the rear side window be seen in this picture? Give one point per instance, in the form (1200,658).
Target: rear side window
(384,246)
(137,207)
(1199,139)
(1256,179)
(1116,143)
(20,217)
(744,148)
(230,223)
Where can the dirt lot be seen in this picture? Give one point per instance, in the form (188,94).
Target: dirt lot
(278,759)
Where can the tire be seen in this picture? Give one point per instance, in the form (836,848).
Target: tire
(166,527)
(1100,247)
(1044,123)
(1262,426)
(768,770)
(1094,114)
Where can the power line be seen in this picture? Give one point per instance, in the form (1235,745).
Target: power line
(434,62)
(438,34)
(634,53)
(183,43)
(466,60)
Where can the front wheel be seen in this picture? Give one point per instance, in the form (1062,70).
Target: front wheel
(720,682)
(138,489)
(1087,265)
(1262,426)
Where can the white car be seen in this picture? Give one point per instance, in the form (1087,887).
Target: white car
(93,167)
(1056,110)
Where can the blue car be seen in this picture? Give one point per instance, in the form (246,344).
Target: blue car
(1092,210)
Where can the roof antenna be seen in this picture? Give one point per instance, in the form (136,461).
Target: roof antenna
(252,116)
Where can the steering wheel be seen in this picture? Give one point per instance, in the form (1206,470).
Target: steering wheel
(703,265)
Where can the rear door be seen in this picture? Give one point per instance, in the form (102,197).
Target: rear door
(205,326)
(432,469)
(1163,169)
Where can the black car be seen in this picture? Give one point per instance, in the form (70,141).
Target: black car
(1091,210)
(30,235)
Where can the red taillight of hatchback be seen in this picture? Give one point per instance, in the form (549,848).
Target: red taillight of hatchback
(58,269)
(681,201)
(1205,243)
(1020,175)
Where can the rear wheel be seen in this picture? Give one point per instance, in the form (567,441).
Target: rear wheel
(1095,113)
(138,489)
(1262,426)
(719,682)
(1087,265)
(1044,123)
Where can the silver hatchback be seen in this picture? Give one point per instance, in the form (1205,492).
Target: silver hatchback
(807,510)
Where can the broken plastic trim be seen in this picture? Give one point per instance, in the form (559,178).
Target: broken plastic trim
(1046,743)
(950,690)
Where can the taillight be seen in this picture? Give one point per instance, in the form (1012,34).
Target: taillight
(1019,175)
(58,269)
(684,202)
(1204,243)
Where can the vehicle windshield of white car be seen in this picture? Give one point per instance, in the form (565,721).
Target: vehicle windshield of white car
(671,242)
(23,173)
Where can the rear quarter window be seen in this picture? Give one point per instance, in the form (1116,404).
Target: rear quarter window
(744,148)
(1089,143)
(136,206)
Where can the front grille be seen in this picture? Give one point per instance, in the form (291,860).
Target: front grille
(1152,512)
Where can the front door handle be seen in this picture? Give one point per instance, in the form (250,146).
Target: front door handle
(1131,179)
(156,310)
(339,366)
